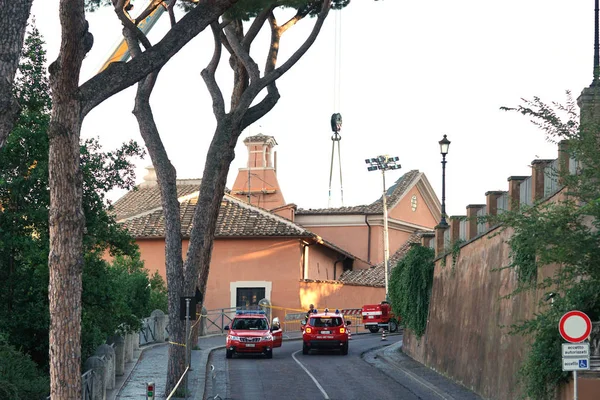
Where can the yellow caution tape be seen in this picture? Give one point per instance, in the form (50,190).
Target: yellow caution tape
(178,344)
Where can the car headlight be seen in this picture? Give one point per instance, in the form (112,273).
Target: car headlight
(234,338)
(267,338)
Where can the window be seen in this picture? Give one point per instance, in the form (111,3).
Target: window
(249,297)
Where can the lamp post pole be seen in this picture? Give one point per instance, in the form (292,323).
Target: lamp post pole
(386,243)
(384,163)
(444,146)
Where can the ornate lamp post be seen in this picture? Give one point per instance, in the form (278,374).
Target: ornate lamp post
(384,163)
(444,146)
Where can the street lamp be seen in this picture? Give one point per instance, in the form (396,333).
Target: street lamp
(384,163)
(444,146)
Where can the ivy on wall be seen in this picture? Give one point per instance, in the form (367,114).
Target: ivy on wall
(562,235)
(410,288)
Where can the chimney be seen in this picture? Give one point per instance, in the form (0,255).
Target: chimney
(150,179)
(257,183)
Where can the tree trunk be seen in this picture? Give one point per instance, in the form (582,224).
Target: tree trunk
(167,181)
(13,24)
(66,220)
(218,160)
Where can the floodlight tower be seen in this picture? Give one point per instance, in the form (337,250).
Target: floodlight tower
(384,163)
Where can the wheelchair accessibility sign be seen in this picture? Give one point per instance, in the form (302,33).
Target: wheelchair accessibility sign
(575,364)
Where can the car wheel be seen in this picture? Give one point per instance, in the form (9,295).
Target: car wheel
(269,354)
(345,349)
(304,349)
(228,353)
(393,325)
(374,329)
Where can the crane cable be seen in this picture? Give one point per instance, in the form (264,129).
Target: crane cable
(336,118)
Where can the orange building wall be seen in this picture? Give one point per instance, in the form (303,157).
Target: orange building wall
(321,264)
(273,262)
(396,239)
(421,216)
(337,295)
(353,239)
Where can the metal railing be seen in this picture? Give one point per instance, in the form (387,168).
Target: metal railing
(217,319)
(87,385)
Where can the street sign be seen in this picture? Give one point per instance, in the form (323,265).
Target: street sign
(572,350)
(575,326)
(575,364)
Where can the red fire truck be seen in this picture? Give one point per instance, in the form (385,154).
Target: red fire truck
(377,316)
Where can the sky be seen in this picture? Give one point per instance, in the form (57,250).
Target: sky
(408,72)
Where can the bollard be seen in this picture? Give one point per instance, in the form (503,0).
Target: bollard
(383,337)
(150,391)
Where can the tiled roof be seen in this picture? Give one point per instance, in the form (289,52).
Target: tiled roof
(394,193)
(375,276)
(236,219)
(145,198)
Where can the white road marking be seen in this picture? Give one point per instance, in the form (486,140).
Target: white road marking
(325,395)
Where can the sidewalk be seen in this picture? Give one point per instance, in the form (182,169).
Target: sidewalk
(150,365)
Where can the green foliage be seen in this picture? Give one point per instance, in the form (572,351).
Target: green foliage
(19,377)
(410,288)
(118,294)
(158,293)
(564,234)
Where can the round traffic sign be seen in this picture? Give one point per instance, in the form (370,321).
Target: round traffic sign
(575,326)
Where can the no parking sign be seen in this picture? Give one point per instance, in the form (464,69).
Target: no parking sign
(575,326)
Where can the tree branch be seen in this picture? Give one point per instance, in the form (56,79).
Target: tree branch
(149,9)
(119,76)
(255,87)
(208,74)
(271,61)
(261,109)
(242,54)
(256,26)
(121,7)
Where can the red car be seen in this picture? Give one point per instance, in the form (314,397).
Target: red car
(326,330)
(250,333)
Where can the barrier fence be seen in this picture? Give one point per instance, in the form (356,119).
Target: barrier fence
(217,319)
(293,319)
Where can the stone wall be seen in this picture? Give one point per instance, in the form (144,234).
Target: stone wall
(467,336)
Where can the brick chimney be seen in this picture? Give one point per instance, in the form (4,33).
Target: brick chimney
(257,183)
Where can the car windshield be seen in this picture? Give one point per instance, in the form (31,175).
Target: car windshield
(250,324)
(326,322)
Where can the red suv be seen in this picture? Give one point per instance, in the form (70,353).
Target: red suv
(325,330)
(250,334)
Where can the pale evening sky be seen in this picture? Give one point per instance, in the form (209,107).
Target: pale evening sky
(411,71)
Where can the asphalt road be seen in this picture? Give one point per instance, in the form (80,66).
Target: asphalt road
(323,375)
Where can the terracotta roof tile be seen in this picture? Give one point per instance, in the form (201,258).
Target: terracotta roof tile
(145,198)
(375,276)
(394,193)
(235,219)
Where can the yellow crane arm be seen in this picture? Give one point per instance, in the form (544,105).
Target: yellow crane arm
(121,52)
